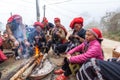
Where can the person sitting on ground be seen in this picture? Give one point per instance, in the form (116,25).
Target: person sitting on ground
(95,69)
(59,34)
(91,48)
(37,37)
(2,56)
(17,33)
(76,38)
(48,26)
(7,43)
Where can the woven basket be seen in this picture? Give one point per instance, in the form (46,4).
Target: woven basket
(115,54)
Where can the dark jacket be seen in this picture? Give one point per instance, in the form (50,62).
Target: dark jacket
(34,33)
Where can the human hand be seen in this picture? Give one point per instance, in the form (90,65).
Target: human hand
(40,37)
(36,37)
(16,43)
(27,43)
(58,33)
(68,56)
(76,36)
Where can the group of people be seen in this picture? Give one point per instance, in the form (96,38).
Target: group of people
(84,55)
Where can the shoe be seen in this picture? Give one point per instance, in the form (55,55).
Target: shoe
(61,77)
(17,58)
(59,71)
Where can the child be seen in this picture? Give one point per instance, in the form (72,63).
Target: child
(91,48)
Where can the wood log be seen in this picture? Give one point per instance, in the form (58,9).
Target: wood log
(39,66)
(36,57)
(11,73)
(30,69)
(22,69)
(18,79)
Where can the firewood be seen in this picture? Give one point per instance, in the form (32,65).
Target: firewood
(22,69)
(11,73)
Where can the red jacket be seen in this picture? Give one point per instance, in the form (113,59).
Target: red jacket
(2,56)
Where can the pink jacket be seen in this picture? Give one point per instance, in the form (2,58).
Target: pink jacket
(94,51)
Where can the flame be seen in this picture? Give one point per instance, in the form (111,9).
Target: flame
(38,55)
(37,51)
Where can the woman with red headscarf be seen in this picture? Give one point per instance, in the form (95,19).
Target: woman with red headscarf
(90,48)
(17,33)
(48,26)
(76,38)
(37,36)
(59,34)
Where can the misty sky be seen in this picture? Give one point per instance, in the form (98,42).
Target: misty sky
(65,9)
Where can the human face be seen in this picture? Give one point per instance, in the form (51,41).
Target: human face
(19,20)
(77,27)
(89,36)
(45,23)
(5,35)
(57,23)
(38,28)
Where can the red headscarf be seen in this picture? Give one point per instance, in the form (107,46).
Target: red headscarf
(56,19)
(96,32)
(14,17)
(45,20)
(38,24)
(78,20)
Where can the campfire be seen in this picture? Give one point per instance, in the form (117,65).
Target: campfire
(37,51)
(27,69)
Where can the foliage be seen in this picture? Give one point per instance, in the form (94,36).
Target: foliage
(111,25)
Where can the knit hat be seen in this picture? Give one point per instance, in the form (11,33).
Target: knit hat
(14,17)
(56,19)
(78,20)
(96,32)
(38,24)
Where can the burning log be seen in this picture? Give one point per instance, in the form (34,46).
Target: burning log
(22,69)
(24,72)
(27,72)
(11,73)
(38,62)
(41,72)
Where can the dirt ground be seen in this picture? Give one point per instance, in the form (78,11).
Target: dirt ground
(11,63)
(108,46)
